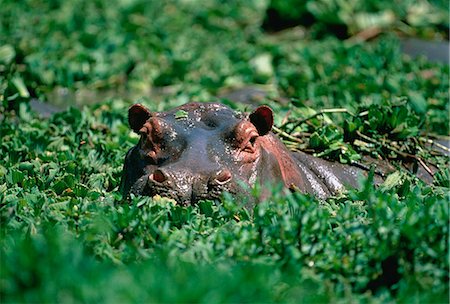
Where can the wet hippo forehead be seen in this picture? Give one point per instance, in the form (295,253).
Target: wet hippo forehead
(201,115)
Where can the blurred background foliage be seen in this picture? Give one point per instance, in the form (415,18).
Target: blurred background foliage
(67,235)
(64,50)
(345,18)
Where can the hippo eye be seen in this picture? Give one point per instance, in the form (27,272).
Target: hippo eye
(210,123)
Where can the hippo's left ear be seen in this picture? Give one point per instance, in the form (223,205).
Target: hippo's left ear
(262,118)
(137,116)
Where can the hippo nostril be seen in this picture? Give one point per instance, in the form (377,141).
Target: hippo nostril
(158,176)
(223,176)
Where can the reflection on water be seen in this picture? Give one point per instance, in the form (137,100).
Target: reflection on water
(63,97)
(59,99)
(435,51)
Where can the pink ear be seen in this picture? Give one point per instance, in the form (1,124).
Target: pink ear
(137,116)
(262,118)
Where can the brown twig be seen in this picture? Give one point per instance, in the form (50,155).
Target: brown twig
(366,34)
(321,112)
(286,135)
(424,166)
(404,154)
(432,142)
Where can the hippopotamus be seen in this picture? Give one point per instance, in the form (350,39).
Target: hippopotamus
(199,150)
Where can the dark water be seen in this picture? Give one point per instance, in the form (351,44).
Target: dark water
(434,51)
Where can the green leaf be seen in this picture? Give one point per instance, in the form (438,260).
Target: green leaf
(7,53)
(21,87)
(181,114)
(3,171)
(15,176)
(418,102)
(394,179)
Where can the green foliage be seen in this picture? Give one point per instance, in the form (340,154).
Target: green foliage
(412,17)
(66,273)
(132,48)
(132,44)
(60,206)
(335,74)
(66,233)
(389,130)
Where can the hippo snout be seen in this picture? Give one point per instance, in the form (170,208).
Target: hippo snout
(187,187)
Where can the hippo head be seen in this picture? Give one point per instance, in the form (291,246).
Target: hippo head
(196,151)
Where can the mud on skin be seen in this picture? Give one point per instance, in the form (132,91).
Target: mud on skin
(199,150)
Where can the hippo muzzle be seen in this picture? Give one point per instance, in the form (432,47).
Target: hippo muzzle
(187,187)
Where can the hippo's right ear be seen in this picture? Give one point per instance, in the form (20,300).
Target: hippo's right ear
(137,116)
(262,118)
